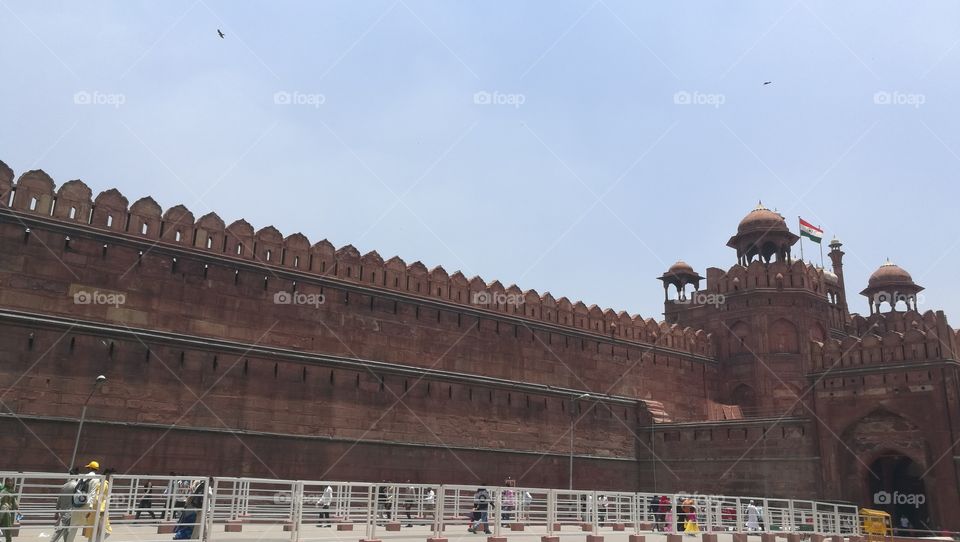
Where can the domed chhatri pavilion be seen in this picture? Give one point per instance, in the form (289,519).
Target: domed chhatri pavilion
(757,380)
(762,233)
(891,284)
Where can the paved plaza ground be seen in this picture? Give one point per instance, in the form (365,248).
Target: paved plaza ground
(419,533)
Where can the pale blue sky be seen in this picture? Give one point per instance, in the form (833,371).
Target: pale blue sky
(509,191)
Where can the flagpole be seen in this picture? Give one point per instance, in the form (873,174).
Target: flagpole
(821,245)
(801,238)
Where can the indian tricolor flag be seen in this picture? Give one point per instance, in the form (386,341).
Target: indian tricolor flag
(810,231)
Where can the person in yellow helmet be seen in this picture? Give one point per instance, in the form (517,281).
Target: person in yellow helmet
(96,502)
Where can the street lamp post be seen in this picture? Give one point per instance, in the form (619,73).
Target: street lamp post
(573,422)
(83,414)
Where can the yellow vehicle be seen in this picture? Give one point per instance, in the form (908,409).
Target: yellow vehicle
(875,523)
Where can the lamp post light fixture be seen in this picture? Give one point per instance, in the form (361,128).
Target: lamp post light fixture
(573,422)
(83,414)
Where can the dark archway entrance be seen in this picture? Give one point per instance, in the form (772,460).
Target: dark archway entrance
(744,396)
(897,488)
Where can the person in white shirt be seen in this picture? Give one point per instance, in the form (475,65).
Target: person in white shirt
(64,510)
(326,499)
(430,504)
(602,503)
(752,517)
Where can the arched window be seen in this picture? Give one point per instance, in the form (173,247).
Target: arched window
(743,396)
(739,337)
(783,337)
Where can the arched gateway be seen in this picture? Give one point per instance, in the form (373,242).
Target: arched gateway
(888,466)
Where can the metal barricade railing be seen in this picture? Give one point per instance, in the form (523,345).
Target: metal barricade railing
(458,508)
(263,507)
(50,505)
(329,505)
(848,517)
(153,508)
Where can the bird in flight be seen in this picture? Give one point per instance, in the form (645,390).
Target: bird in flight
(220,33)
(765,82)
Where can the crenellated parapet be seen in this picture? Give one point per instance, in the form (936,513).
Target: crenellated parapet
(778,274)
(888,338)
(34,193)
(6,183)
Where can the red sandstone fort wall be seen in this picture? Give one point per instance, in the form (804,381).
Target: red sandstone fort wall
(214,298)
(238,305)
(153,385)
(747,457)
(144,220)
(155,450)
(487,385)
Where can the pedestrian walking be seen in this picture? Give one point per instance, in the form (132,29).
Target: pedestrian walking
(146,501)
(525,503)
(690,526)
(186,527)
(602,503)
(383,502)
(753,517)
(430,504)
(62,515)
(657,510)
(481,507)
(96,501)
(8,509)
(509,500)
(191,516)
(408,496)
(326,499)
(666,505)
